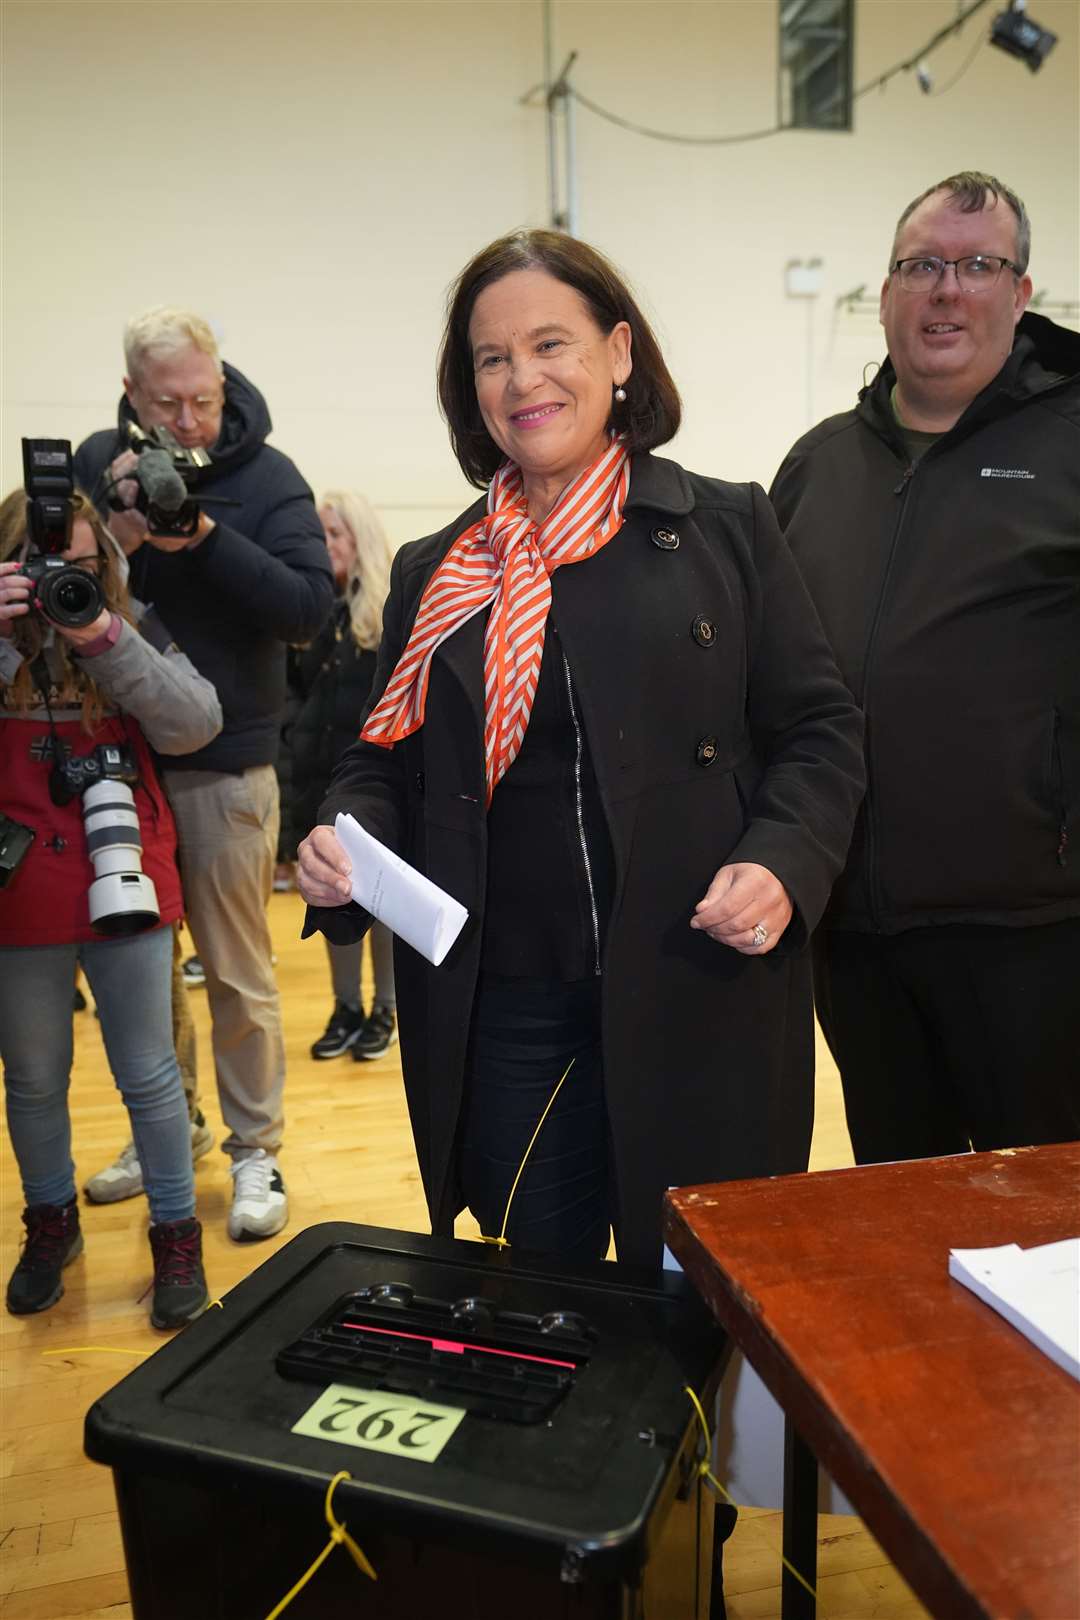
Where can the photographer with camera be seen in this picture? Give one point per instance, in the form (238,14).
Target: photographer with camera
(88,875)
(238,569)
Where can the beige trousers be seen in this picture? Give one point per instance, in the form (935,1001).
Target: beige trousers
(227,825)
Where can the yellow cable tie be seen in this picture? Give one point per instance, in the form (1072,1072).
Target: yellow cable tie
(502,1238)
(339,1536)
(99,1349)
(706,1473)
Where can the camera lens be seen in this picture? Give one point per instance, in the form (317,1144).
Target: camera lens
(71,597)
(122,898)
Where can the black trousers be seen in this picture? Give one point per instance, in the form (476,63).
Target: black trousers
(524,1034)
(953,1038)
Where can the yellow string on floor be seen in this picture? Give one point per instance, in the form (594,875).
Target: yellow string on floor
(707,1474)
(502,1241)
(339,1536)
(112,1350)
(97,1349)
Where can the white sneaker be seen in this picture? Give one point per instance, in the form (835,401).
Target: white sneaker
(259,1207)
(124,1178)
(121,1179)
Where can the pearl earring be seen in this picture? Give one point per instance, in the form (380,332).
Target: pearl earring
(620,394)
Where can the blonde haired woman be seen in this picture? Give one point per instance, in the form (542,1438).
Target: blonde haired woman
(334,677)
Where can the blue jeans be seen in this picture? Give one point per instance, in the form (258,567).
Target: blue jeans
(131,980)
(524,1033)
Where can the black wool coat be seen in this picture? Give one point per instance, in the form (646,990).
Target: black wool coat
(719,730)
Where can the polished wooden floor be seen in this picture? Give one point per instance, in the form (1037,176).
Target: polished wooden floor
(349,1156)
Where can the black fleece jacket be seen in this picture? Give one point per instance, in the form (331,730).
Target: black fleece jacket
(950,591)
(260,579)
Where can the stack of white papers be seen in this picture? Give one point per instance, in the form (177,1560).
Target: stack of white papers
(411,906)
(1037,1290)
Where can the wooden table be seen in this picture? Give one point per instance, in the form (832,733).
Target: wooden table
(955,1438)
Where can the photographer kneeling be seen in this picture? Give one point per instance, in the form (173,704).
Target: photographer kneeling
(81,706)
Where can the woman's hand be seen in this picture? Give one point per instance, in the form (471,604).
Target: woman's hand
(323,869)
(84,634)
(745,907)
(14,597)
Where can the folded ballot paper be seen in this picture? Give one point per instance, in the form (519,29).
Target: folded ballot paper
(1037,1290)
(411,906)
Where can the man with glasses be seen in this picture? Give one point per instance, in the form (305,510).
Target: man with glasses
(253,576)
(938,528)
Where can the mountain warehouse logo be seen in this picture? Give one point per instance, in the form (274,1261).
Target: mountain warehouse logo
(1006,472)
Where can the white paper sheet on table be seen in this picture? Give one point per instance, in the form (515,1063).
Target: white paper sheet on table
(1037,1290)
(411,906)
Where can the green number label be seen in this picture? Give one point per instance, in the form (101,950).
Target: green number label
(362,1418)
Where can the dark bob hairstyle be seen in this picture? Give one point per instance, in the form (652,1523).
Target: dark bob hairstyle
(652,411)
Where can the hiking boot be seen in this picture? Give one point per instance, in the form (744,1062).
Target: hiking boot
(344,1030)
(53,1239)
(259,1207)
(124,1178)
(378,1035)
(180,1291)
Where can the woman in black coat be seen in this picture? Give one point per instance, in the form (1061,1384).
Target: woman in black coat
(330,679)
(606,720)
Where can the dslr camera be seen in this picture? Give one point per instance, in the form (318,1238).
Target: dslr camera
(67,595)
(165,472)
(122,898)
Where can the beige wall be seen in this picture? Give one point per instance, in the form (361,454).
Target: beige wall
(311,176)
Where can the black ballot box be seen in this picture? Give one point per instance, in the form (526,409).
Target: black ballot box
(518,1436)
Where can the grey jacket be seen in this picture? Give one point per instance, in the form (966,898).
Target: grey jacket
(147,676)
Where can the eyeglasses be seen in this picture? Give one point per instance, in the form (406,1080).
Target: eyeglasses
(975,273)
(203,408)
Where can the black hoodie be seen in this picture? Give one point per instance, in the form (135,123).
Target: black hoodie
(261,577)
(950,591)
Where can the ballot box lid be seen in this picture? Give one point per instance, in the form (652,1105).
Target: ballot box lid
(576,1474)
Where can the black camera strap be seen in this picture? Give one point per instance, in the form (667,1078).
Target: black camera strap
(42,676)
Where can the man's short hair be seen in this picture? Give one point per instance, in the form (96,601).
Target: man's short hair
(971,191)
(165,330)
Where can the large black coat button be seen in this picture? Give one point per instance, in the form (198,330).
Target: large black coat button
(418,781)
(706,751)
(704,632)
(665,539)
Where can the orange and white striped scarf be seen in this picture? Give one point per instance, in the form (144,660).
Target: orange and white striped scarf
(506,559)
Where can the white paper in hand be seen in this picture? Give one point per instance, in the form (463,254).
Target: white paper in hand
(411,906)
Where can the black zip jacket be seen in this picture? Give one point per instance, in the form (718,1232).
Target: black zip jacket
(261,578)
(951,594)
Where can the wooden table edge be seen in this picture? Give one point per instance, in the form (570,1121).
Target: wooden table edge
(935,1581)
